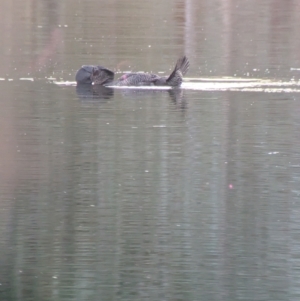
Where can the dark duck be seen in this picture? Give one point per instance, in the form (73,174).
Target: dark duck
(99,75)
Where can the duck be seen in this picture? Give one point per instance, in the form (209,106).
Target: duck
(99,75)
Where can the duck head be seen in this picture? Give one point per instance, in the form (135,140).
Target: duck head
(98,75)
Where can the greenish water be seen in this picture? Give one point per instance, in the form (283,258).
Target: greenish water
(148,195)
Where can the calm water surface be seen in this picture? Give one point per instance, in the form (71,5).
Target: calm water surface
(149,195)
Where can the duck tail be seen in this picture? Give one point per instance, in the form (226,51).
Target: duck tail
(181,68)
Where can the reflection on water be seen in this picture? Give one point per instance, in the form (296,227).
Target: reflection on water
(94,92)
(181,194)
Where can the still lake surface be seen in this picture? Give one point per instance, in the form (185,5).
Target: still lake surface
(125,194)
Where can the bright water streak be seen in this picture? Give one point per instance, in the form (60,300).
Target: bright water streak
(220,84)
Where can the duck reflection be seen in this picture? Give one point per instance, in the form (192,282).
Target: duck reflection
(177,97)
(94,92)
(88,92)
(175,94)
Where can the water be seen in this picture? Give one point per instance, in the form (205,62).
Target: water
(126,194)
